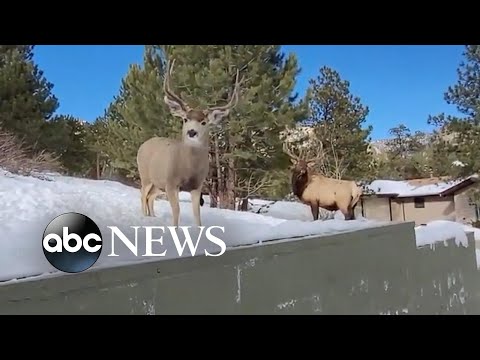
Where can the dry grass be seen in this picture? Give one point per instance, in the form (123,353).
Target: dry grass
(15,157)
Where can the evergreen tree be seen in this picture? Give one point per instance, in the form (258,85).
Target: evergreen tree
(66,137)
(26,99)
(338,118)
(407,155)
(135,115)
(459,137)
(98,141)
(403,143)
(245,146)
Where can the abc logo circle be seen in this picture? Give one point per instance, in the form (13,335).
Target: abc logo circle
(72,242)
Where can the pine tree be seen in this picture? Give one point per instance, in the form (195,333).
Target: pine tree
(407,155)
(66,136)
(403,143)
(26,99)
(457,149)
(136,114)
(97,140)
(247,145)
(338,117)
(459,137)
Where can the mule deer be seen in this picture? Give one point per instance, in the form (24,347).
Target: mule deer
(174,165)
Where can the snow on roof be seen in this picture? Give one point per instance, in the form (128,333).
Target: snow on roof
(417,187)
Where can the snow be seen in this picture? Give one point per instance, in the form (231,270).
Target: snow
(289,210)
(443,230)
(406,189)
(440,231)
(30,203)
(458,163)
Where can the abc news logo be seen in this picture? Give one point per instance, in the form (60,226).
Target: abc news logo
(72,243)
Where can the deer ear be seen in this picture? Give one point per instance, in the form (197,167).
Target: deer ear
(311,164)
(293,161)
(215,116)
(175,108)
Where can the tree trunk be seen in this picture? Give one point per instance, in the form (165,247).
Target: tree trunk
(212,188)
(243,205)
(220,175)
(230,184)
(98,166)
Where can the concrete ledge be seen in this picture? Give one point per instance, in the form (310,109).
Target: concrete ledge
(470,235)
(371,271)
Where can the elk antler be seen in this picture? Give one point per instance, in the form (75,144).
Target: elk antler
(302,153)
(290,153)
(234,97)
(168,91)
(319,153)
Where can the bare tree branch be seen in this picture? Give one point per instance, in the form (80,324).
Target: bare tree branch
(15,158)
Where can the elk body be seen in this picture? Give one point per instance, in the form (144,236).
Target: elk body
(318,191)
(174,165)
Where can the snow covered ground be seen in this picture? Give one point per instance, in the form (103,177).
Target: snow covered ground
(30,203)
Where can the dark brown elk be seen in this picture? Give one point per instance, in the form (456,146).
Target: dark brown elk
(174,165)
(318,191)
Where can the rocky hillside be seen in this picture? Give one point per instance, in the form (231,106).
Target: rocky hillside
(378,146)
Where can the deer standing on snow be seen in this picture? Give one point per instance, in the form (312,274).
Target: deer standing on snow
(317,190)
(171,165)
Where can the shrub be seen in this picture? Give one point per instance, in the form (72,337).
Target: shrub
(18,158)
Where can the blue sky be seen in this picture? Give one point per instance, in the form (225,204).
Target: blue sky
(400,84)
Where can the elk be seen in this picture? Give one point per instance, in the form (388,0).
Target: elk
(317,191)
(174,165)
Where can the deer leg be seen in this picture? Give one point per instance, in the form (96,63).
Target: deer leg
(350,214)
(142,202)
(314,208)
(346,213)
(172,195)
(144,196)
(196,197)
(152,195)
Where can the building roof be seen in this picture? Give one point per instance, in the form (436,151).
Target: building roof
(420,187)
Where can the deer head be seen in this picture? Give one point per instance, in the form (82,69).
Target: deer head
(302,163)
(196,122)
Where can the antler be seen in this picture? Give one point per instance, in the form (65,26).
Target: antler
(168,91)
(234,97)
(290,153)
(301,155)
(319,153)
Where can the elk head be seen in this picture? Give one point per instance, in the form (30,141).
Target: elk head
(196,122)
(301,164)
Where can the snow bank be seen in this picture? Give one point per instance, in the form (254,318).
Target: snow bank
(29,204)
(440,231)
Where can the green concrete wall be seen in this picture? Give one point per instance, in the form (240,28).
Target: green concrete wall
(373,271)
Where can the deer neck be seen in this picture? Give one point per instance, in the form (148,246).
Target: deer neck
(195,151)
(299,183)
